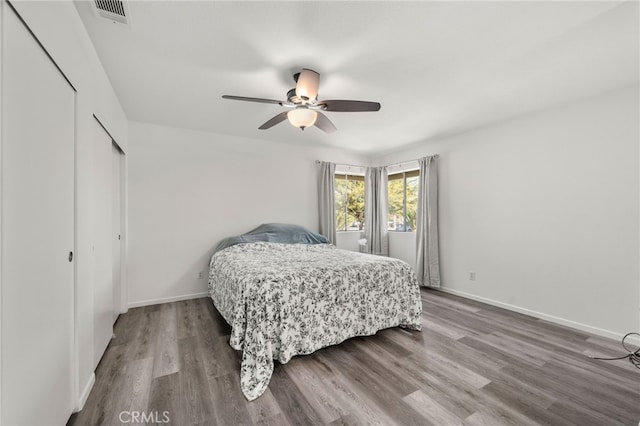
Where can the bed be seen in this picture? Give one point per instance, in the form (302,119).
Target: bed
(285,291)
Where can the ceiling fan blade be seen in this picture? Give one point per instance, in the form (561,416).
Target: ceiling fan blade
(350,106)
(275,120)
(307,84)
(243,98)
(323,123)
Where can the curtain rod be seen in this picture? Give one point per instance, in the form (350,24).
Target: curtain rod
(342,164)
(410,161)
(390,165)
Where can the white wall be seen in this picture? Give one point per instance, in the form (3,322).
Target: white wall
(402,245)
(59,28)
(348,240)
(189,189)
(544,208)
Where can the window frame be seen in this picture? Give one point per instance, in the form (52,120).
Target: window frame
(403,175)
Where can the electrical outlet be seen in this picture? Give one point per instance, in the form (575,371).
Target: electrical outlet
(200,275)
(472,276)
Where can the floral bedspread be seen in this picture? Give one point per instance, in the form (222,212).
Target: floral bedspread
(283,300)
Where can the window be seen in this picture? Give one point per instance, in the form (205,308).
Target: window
(403,201)
(349,197)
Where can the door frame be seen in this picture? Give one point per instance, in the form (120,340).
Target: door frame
(1,145)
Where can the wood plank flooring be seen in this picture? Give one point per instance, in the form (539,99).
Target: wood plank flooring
(472,364)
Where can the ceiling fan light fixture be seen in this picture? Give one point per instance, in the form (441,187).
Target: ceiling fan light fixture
(302,117)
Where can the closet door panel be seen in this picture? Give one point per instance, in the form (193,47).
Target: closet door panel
(102,244)
(38,108)
(116,157)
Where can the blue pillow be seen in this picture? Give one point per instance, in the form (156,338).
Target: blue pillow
(275,233)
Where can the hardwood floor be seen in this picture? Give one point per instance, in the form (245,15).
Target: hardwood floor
(472,364)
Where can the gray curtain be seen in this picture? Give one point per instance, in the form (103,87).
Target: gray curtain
(326,200)
(428,260)
(375,210)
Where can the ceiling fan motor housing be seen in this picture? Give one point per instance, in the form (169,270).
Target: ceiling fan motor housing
(297,100)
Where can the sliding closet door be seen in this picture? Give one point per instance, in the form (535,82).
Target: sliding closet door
(116,232)
(102,245)
(38,116)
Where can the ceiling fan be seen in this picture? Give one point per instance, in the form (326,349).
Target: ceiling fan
(305,109)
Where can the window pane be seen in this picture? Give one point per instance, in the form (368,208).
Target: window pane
(396,201)
(349,198)
(412,203)
(355,205)
(402,212)
(340,199)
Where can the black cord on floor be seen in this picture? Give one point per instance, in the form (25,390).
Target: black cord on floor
(633,356)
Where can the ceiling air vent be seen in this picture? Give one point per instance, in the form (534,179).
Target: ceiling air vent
(113,10)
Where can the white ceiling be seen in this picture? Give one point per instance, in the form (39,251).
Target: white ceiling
(436,67)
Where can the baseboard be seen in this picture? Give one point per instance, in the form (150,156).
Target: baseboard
(167,299)
(86,392)
(556,320)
